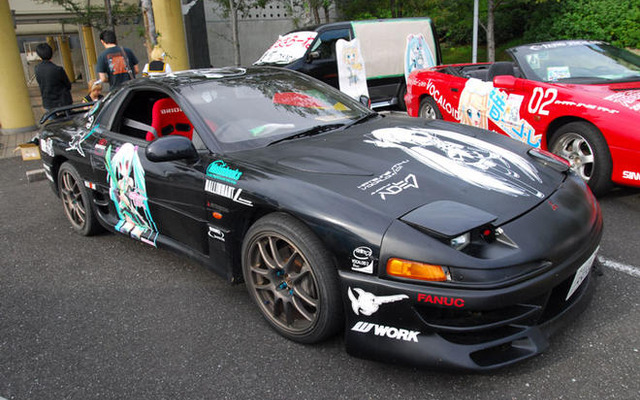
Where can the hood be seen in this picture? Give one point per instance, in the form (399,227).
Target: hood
(396,165)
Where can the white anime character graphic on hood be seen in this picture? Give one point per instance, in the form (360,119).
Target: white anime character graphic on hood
(472,160)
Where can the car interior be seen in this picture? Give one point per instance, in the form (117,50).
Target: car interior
(149,114)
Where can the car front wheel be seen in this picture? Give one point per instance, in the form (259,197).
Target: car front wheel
(583,145)
(76,201)
(429,109)
(291,279)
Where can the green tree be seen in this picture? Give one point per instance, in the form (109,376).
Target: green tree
(614,21)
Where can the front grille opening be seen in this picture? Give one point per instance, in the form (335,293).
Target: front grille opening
(478,337)
(454,319)
(557,300)
(507,352)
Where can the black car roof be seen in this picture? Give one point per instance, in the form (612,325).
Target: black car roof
(191,76)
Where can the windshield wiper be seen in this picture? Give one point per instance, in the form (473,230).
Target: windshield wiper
(314,130)
(364,118)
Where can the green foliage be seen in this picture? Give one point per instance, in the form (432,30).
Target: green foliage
(95,14)
(614,21)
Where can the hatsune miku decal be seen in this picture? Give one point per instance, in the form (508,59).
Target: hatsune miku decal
(128,191)
(417,55)
(472,160)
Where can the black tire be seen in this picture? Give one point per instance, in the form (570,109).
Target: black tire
(402,91)
(429,109)
(291,279)
(584,146)
(76,201)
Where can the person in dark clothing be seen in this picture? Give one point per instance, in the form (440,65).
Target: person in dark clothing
(116,64)
(55,87)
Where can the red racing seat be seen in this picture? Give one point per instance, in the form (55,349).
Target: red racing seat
(167,118)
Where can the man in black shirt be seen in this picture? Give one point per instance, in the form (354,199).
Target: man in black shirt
(55,87)
(116,64)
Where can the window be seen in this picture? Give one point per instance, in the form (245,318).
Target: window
(325,45)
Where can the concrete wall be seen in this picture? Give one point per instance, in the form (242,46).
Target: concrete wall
(257,30)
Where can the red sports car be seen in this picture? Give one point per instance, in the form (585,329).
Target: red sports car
(578,99)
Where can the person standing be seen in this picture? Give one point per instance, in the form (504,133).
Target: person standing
(116,64)
(157,66)
(55,87)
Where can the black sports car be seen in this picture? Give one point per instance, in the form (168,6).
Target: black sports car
(429,243)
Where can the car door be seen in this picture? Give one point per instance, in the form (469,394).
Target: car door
(154,202)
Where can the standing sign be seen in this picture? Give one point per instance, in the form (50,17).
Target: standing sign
(417,54)
(352,78)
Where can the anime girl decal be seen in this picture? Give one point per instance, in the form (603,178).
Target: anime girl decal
(472,160)
(417,54)
(474,103)
(127,189)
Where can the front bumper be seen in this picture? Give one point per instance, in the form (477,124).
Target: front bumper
(474,330)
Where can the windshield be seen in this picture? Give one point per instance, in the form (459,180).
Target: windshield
(287,48)
(577,62)
(255,110)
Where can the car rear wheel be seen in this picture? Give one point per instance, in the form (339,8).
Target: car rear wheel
(582,144)
(429,109)
(291,278)
(76,201)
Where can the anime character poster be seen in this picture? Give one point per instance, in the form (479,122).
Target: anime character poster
(417,54)
(352,77)
(128,191)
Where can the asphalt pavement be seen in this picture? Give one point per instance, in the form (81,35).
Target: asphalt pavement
(110,318)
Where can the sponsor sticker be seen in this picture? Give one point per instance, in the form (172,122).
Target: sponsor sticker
(366,303)
(388,331)
(226,191)
(221,171)
(393,171)
(441,300)
(46,146)
(362,260)
(216,233)
(394,188)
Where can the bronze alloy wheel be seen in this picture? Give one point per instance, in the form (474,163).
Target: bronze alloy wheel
(292,279)
(75,206)
(76,201)
(283,282)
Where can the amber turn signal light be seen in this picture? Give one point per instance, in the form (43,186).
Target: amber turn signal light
(416,270)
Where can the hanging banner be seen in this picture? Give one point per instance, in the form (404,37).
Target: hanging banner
(352,78)
(417,54)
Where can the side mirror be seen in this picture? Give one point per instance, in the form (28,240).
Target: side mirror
(313,56)
(505,81)
(171,148)
(365,101)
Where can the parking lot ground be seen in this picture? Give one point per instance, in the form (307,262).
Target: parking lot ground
(109,318)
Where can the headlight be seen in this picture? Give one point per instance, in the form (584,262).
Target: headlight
(460,242)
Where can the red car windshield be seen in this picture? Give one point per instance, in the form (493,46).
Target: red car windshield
(577,62)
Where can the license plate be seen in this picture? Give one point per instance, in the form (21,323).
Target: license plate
(581,274)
